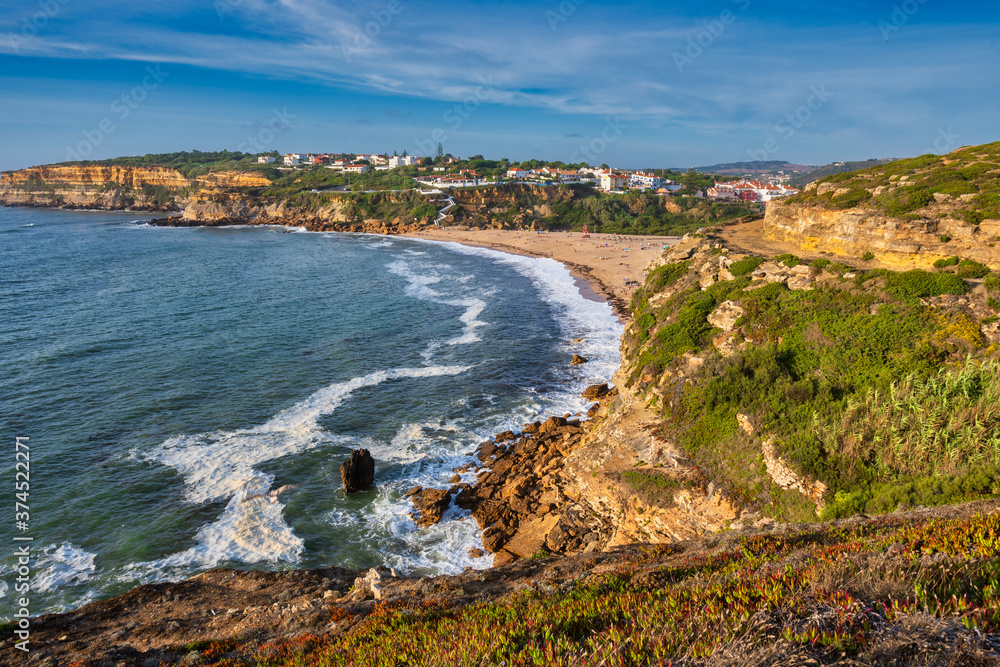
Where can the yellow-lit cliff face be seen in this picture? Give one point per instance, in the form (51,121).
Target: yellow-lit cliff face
(114,187)
(853,232)
(234,179)
(97,176)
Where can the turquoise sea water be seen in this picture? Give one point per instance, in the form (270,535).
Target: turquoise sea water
(164,375)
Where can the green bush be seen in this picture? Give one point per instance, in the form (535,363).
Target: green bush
(821,263)
(992,282)
(971,270)
(868,256)
(942,263)
(745,266)
(789,260)
(919,283)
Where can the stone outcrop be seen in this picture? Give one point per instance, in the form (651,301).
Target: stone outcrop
(783,475)
(854,232)
(358,472)
(429,506)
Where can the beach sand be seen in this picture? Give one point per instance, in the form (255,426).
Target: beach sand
(603,263)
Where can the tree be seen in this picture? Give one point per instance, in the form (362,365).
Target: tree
(426,162)
(440,152)
(404,153)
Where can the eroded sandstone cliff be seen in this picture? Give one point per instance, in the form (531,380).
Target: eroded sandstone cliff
(921,240)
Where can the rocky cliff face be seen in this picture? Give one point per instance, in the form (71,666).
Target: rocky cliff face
(95,176)
(113,187)
(921,240)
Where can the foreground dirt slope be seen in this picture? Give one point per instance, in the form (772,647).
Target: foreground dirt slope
(909,588)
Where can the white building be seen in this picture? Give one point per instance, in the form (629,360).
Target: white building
(292,160)
(266,159)
(641,179)
(518,172)
(358,168)
(403,161)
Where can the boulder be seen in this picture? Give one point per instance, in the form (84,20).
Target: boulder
(595,392)
(530,538)
(725,316)
(430,505)
(577,360)
(358,472)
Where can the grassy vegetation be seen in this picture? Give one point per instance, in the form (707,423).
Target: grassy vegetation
(969,177)
(642,213)
(864,387)
(188,163)
(883,592)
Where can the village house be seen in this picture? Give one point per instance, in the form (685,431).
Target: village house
(403,161)
(644,181)
(266,159)
(357,168)
(611,181)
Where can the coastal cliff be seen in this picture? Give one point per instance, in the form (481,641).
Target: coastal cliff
(853,233)
(910,212)
(114,187)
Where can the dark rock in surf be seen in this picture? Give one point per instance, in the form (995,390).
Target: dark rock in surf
(358,472)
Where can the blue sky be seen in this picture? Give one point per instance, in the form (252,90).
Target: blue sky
(632,84)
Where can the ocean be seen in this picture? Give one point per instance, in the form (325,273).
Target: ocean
(162,375)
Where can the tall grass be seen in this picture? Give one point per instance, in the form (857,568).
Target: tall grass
(941,424)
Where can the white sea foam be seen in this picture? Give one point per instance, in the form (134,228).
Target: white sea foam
(577,316)
(428,451)
(62,564)
(418,287)
(222,465)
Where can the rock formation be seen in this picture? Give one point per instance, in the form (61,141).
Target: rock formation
(358,472)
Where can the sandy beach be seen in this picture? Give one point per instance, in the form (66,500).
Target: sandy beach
(609,264)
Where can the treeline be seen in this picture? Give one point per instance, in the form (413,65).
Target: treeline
(188,163)
(644,213)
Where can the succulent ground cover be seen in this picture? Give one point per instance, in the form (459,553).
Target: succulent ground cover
(898,589)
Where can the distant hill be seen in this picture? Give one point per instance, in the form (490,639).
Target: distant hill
(763,167)
(805,178)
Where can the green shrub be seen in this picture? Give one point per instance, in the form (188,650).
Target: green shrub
(820,263)
(942,263)
(789,260)
(852,198)
(919,283)
(971,270)
(745,266)
(945,238)
(992,282)
(868,256)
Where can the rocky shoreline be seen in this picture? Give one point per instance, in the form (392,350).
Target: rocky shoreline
(519,498)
